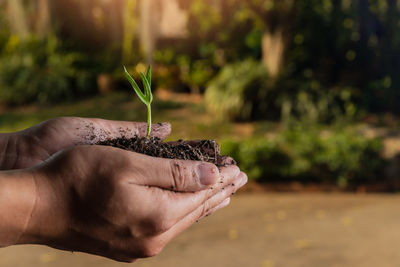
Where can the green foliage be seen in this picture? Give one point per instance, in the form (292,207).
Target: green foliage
(332,48)
(234,93)
(4,29)
(194,74)
(334,156)
(347,44)
(147,96)
(212,40)
(312,104)
(179,70)
(36,70)
(259,158)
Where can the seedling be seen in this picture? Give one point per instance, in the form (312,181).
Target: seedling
(198,150)
(147,96)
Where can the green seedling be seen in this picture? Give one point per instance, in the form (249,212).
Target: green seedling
(147,96)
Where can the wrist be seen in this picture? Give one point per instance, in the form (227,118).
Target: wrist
(49,219)
(17,201)
(32,211)
(20,150)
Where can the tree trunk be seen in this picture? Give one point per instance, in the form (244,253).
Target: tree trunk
(149,14)
(115,22)
(130,29)
(273,49)
(43,18)
(17,19)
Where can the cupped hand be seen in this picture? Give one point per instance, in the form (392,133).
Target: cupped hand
(29,147)
(120,204)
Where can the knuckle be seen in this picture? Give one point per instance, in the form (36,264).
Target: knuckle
(164,226)
(149,249)
(156,225)
(159,227)
(178,173)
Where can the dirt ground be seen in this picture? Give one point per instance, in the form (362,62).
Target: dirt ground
(266,230)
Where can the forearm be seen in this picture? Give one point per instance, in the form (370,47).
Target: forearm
(17,201)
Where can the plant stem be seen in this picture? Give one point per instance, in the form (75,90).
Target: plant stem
(148,120)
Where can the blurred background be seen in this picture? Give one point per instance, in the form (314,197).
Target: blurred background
(304,94)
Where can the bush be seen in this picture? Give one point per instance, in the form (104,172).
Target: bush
(36,70)
(310,155)
(237,90)
(259,158)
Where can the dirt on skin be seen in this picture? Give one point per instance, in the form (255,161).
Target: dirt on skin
(199,150)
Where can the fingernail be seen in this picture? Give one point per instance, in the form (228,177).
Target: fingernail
(208,173)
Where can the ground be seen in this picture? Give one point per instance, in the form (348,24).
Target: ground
(266,230)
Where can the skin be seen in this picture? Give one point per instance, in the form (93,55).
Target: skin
(102,200)
(34,145)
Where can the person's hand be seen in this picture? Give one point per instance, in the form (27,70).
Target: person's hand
(29,147)
(120,204)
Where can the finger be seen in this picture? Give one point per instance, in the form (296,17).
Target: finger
(221,205)
(216,200)
(176,175)
(164,238)
(185,203)
(192,217)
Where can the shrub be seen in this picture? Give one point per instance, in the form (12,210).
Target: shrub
(349,158)
(36,70)
(260,158)
(340,157)
(177,71)
(195,73)
(236,91)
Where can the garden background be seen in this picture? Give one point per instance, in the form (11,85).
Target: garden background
(304,94)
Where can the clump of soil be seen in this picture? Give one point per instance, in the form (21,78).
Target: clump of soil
(199,150)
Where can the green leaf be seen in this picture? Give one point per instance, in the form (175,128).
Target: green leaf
(148,75)
(135,87)
(147,88)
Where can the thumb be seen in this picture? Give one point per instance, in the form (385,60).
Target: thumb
(180,175)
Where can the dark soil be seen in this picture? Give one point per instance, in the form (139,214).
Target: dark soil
(199,150)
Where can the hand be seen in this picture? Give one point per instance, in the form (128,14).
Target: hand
(120,204)
(29,147)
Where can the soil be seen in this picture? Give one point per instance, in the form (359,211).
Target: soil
(199,150)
